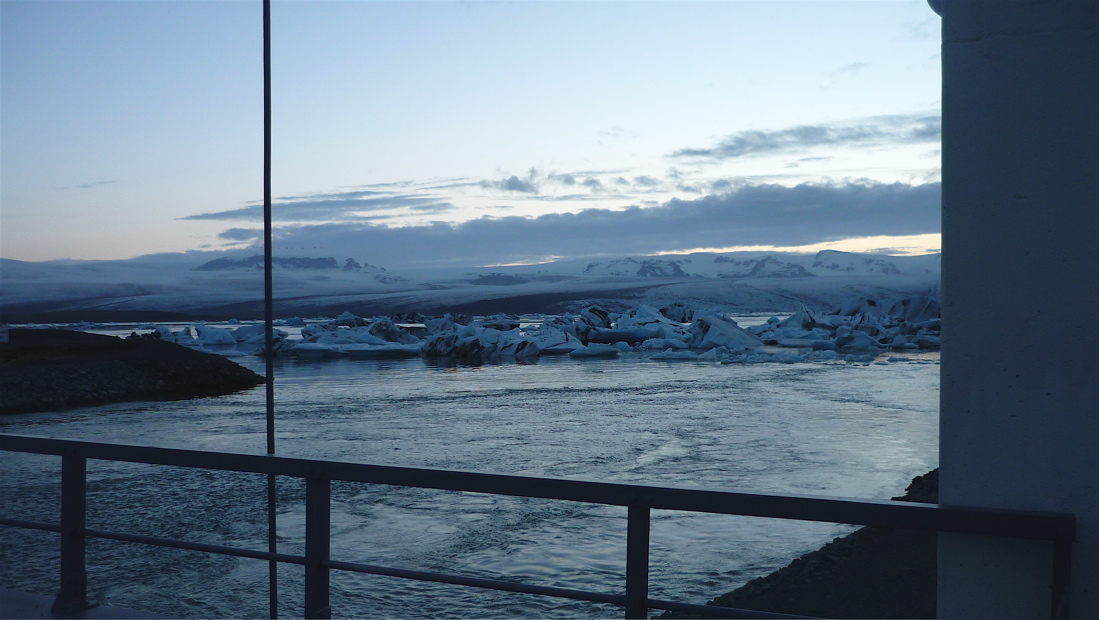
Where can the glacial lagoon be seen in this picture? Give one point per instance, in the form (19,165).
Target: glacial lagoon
(831,428)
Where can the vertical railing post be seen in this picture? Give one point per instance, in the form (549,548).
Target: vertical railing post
(637,562)
(318,518)
(73,594)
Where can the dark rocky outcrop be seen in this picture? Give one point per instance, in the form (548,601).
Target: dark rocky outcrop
(48,369)
(870,573)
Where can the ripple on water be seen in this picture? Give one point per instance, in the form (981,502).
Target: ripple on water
(822,429)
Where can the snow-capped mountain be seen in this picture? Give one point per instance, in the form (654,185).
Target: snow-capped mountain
(645,268)
(230,287)
(831,261)
(766,267)
(759,265)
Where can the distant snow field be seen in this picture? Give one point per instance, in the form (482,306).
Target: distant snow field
(223,288)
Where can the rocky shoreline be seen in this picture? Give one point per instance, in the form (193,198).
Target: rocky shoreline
(870,573)
(50,369)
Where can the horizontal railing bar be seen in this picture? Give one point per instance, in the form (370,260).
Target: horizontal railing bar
(882,513)
(477,582)
(716,610)
(193,546)
(31,525)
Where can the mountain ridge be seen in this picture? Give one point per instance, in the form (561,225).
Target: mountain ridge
(232,286)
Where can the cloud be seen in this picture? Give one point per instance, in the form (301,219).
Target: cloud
(922,30)
(514,184)
(593,184)
(564,179)
(871,131)
(241,234)
(91,185)
(851,69)
(343,206)
(614,134)
(750,215)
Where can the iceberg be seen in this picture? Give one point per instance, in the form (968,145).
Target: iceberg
(501,322)
(638,325)
(256,334)
(859,324)
(716,331)
(214,336)
(475,343)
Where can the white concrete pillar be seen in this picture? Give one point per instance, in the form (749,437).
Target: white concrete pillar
(1020,357)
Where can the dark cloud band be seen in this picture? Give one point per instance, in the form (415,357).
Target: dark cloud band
(872,131)
(752,215)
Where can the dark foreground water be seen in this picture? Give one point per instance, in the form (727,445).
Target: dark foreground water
(814,428)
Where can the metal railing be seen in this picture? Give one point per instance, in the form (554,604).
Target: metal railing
(637,498)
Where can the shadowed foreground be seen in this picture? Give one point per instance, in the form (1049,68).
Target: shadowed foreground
(48,369)
(870,573)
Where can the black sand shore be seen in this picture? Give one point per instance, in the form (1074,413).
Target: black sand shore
(50,369)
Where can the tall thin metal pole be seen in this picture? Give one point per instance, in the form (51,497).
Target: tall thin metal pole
(268,311)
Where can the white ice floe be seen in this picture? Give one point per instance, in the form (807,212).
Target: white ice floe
(855,332)
(256,334)
(715,331)
(672,354)
(638,325)
(476,343)
(215,336)
(859,325)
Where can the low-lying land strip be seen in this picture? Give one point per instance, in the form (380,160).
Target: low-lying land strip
(50,369)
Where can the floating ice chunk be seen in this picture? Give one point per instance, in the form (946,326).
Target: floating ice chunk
(762,357)
(555,342)
(672,355)
(385,329)
(678,312)
(647,317)
(386,351)
(794,343)
(594,316)
(447,322)
(473,343)
(316,350)
(661,344)
(255,334)
(609,335)
(183,336)
(594,350)
(915,309)
(623,347)
(857,341)
(714,331)
(928,341)
(502,322)
(713,354)
(347,319)
(804,319)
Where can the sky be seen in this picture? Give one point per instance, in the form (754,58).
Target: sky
(477,132)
